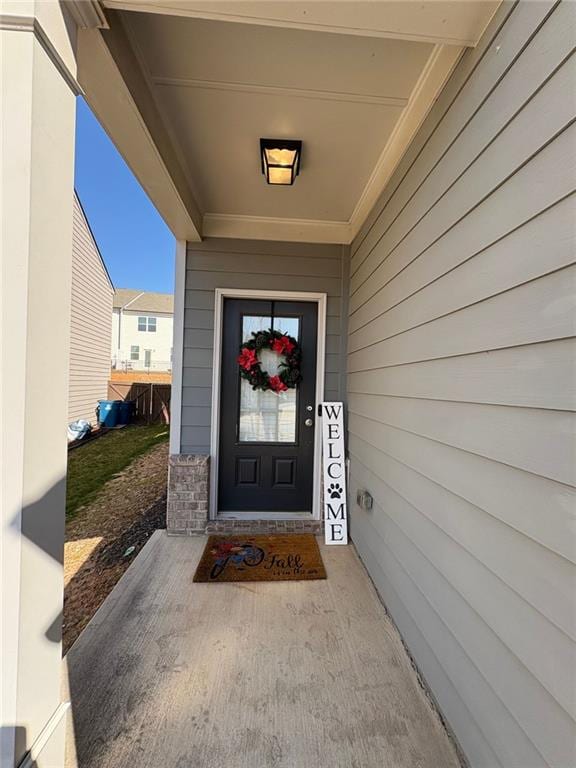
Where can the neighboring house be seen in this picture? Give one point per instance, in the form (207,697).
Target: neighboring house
(91,322)
(425,258)
(142,324)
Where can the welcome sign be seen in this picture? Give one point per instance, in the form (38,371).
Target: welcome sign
(334,464)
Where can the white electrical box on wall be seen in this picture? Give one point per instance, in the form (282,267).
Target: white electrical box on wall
(364,499)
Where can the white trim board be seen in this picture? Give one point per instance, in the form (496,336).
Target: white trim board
(275,228)
(452,22)
(280,90)
(434,77)
(178,349)
(231,293)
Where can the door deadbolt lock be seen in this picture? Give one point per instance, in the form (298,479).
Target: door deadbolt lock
(309,407)
(308,422)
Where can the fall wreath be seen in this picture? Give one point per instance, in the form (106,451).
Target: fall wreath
(289,369)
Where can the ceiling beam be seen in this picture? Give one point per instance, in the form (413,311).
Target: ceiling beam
(271,228)
(443,22)
(116,90)
(280,90)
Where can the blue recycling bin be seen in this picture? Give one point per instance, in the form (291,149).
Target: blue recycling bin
(108,412)
(125,411)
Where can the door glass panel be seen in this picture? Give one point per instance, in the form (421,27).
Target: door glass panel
(267,417)
(251,324)
(289,325)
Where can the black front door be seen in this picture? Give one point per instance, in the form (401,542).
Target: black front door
(266,457)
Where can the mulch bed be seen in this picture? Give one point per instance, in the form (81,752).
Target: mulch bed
(134,536)
(107,534)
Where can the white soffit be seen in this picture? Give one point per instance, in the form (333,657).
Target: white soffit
(355,100)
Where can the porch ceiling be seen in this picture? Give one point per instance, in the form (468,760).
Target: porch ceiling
(221,86)
(211,88)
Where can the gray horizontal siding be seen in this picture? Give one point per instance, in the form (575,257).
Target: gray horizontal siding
(91,324)
(260,265)
(462,387)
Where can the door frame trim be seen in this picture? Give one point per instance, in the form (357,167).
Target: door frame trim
(244,293)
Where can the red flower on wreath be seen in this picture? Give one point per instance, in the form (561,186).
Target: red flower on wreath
(247,358)
(283,345)
(276,384)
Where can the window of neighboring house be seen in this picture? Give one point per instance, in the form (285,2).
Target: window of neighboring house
(134,353)
(147,324)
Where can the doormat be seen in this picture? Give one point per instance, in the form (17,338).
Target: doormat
(260,558)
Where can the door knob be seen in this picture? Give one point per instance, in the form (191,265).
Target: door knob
(308,422)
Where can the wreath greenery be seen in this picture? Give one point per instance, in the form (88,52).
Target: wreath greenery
(289,369)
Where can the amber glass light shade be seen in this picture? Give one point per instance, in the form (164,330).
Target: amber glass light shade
(280,160)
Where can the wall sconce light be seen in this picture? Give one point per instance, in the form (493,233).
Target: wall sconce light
(280,160)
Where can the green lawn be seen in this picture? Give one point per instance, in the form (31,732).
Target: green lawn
(91,465)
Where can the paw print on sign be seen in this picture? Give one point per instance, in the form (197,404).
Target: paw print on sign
(335,491)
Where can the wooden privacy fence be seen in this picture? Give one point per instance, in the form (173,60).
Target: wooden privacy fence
(151,401)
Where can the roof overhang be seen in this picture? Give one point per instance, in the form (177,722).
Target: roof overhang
(126,86)
(118,94)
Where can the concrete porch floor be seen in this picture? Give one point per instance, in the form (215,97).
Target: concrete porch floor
(171,674)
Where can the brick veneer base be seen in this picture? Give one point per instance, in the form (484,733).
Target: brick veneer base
(188,493)
(188,504)
(264,526)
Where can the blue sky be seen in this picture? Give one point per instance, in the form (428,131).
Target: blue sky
(136,245)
